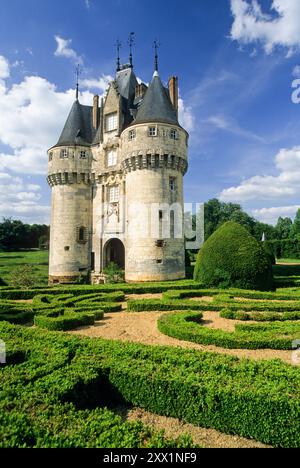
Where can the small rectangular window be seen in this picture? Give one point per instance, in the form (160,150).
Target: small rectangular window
(50,156)
(174,134)
(152,131)
(82,155)
(64,154)
(112,158)
(82,235)
(113,194)
(172,184)
(160,225)
(111,122)
(131,135)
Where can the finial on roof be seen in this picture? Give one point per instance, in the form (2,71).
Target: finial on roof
(118,46)
(131,43)
(78,71)
(156,46)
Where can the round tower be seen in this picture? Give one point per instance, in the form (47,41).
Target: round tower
(69,174)
(154,159)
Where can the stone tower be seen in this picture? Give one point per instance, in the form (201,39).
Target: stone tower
(116,175)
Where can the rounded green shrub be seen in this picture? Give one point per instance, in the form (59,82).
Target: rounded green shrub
(232,258)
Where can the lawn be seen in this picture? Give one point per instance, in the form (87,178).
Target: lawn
(289,260)
(9,261)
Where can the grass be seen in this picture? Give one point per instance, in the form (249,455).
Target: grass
(9,261)
(289,260)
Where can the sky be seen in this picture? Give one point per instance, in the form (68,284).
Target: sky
(238,63)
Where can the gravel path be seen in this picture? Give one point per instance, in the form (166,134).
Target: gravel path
(141,327)
(208,438)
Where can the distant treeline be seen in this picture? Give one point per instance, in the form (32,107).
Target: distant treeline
(283,238)
(15,235)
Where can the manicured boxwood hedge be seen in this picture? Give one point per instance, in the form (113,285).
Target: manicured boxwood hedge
(259,316)
(68,321)
(231,257)
(127,288)
(46,400)
(187,326)
(55,306)
(140,305)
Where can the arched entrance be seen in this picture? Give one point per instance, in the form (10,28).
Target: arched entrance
(114,251)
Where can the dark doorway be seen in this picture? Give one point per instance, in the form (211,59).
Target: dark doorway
(114,251)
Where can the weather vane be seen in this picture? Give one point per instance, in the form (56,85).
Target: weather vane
(78,71)
(156,46)
(118,46)
(131,43)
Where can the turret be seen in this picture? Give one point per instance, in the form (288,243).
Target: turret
(69,176)
(154,158)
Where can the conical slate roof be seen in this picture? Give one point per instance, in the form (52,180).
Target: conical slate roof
(78,129)
(156,105)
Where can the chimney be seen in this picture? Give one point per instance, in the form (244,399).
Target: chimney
(140,90)
(95,112)
(173,91)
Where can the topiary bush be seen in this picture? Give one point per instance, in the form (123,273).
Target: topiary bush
(232,258)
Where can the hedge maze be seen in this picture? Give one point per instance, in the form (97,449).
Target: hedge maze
(55,388)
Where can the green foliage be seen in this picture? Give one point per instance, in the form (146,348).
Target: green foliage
(269,251)
(231,257)
(259,316)
(217,213)
(113,273)
(54,397)
(68,321)
(16,235)
(284,228)
(38,260)
(22,277)
(186,326)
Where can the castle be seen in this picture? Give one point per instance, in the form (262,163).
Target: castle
(117,168)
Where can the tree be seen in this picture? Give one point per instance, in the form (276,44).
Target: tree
(284,228)
(296,226)
(15,235)
(217,213)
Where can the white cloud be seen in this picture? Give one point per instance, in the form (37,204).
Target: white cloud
(20,200)
(100,83)
(64,50)
(32,116)
(4,68)
(186,116)
(296,71)
(280,27)
(228,124)
(271,215)
(88,3)
(267,187)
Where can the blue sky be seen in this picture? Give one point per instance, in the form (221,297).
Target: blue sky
(236,61)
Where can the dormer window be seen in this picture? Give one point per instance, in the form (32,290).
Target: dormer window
(131,135)
(64,154)
(174,134)
(82,155)
(111,122)
(111,158)
(152,131)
